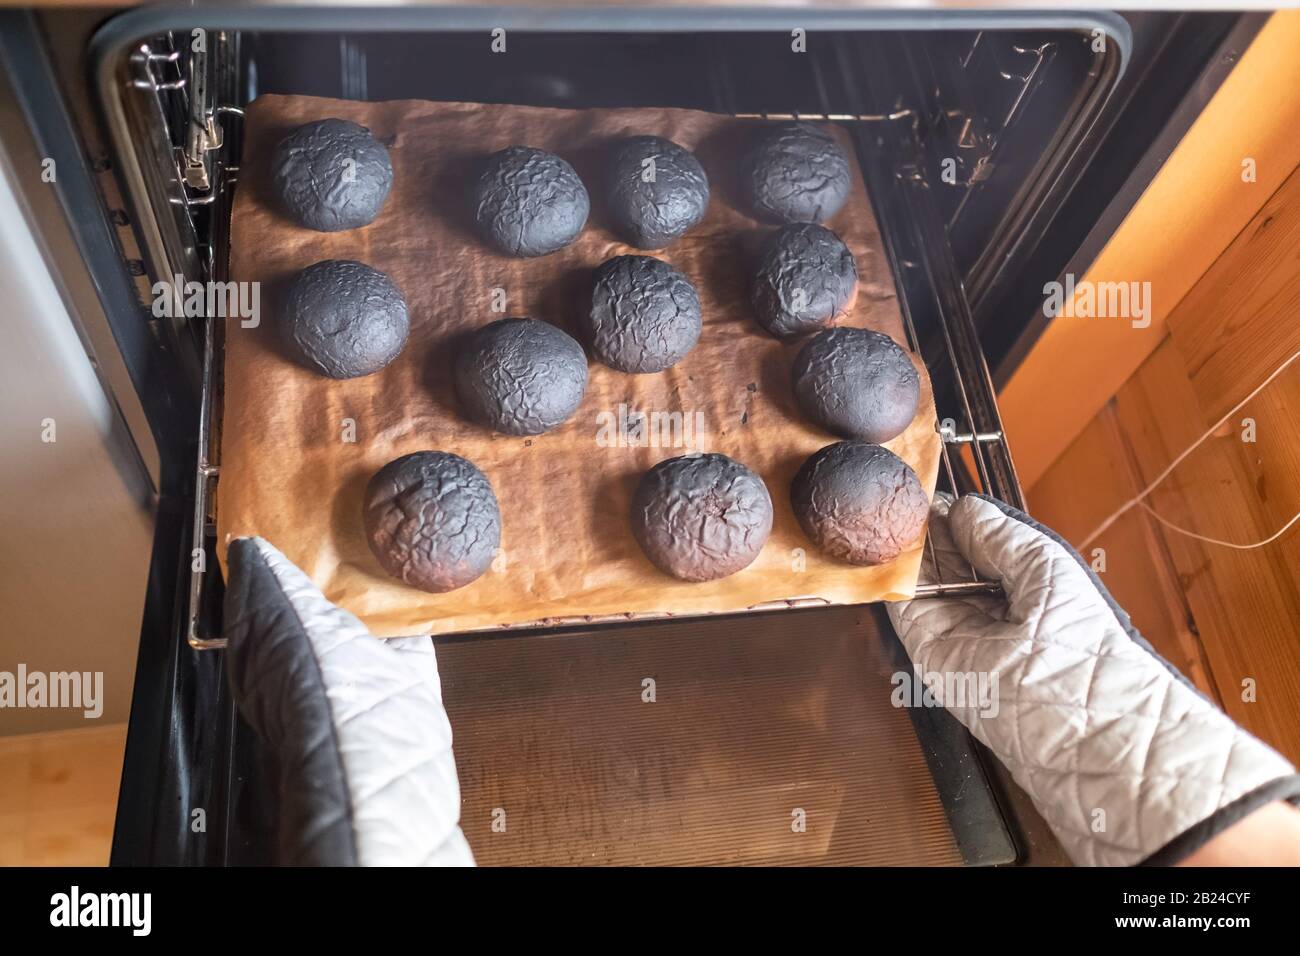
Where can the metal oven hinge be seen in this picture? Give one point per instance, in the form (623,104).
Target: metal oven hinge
(144,77)
(203,135)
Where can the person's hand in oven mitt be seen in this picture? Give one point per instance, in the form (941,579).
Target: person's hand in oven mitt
(1119,752)
(357,724)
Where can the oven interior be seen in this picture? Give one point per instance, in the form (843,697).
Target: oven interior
(964,137)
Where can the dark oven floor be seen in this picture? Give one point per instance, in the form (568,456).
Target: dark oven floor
(767,739)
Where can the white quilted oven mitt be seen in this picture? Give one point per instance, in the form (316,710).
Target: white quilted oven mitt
(363,743)
(1120,753)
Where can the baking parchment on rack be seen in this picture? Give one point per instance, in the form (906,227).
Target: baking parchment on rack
(929,290)
(188,96)
(958,363)
(916,257)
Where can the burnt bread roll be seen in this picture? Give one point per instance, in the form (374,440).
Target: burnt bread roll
(856,383)
(645,315)
(344,319)
(806,278)
(432,520)
(657,191)
(331,175)
(528,202)
(520,376)
(796,173)
(859,502)
(701,517)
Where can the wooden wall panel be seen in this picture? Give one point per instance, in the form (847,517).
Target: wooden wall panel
(1245,604)
(1242,607)
(1243,318)
(1139,571)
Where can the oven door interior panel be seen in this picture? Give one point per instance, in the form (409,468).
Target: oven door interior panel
(962,126)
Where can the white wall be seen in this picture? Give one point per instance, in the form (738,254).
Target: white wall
(74,539)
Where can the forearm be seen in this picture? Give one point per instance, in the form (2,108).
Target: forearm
(1268,837)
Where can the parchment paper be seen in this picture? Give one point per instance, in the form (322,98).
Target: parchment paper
(298,449)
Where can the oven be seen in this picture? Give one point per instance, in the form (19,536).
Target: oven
(999,150)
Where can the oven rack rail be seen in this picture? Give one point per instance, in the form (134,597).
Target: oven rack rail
(976,425)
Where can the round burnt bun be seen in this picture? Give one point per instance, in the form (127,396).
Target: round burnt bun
(645,315)
(701,517)
(331,175)
(859,502)
(806,278)
(432,520)
(856,383)
(520,376)
(796,173)
(529,202)
(344,319)
(657,191)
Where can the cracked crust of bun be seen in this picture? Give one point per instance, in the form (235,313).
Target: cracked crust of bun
(645,315)
(701,517)
(331,175)
(649,213)
(856,383)
(432,520)
(806,279)
(859,502)
(796,173)
(344,319)
(529,202)
(520,376)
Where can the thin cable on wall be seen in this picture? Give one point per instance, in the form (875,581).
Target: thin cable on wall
(1139,498)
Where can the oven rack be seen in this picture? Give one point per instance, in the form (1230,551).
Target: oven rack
(917,250)
(890,155)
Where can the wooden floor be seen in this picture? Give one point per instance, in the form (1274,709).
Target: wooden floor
(1229,619)
(58,796)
